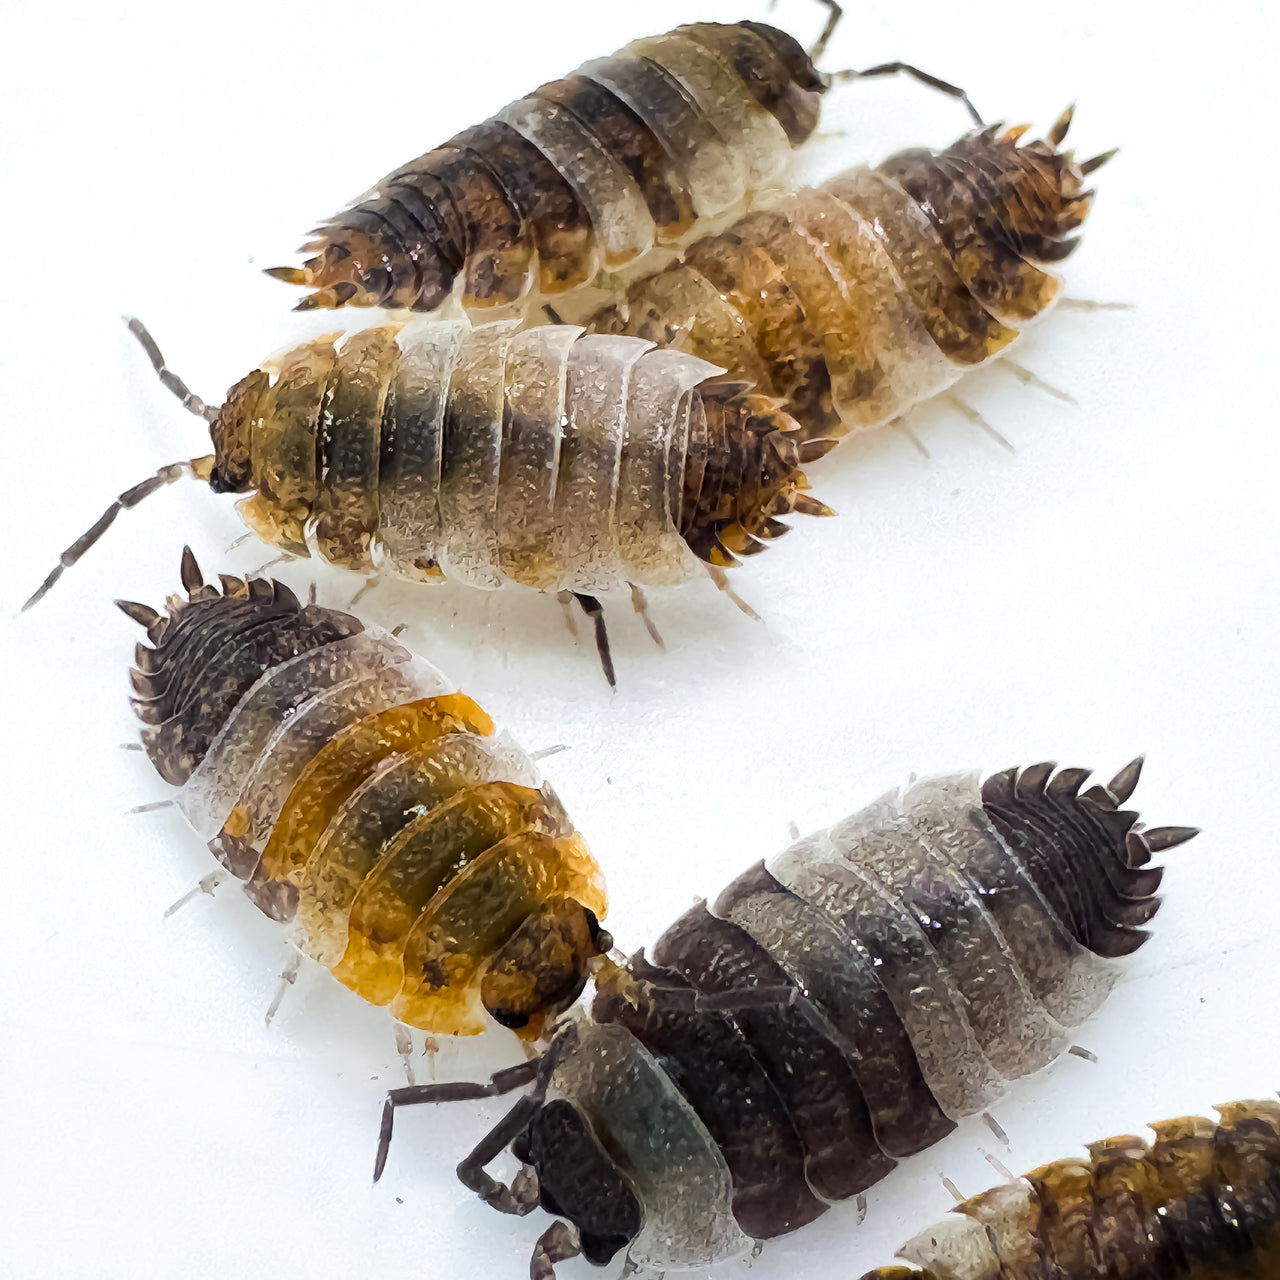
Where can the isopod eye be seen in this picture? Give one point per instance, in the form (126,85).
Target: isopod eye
(221,482)
(542,967)
(601,939)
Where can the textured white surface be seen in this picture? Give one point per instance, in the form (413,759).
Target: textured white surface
(1109,588)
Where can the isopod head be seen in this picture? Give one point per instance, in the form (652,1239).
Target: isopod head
(543,967)
(232,468)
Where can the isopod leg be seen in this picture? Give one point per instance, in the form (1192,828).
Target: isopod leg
(521,1197)
(640,603)
(288,976)
(906,69)
(404,1047)
(1090,304)
(595,611)
(1030,379)
(721,579)
(452,1091)
(556,1244)
(834,14)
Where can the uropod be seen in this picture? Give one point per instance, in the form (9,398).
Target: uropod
(829,1014)
(368,806)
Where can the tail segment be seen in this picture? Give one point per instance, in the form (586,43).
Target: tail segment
(747,475)
(1001,207)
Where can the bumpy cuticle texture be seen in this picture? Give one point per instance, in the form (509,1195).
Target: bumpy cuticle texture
(368,806)
(548,457)
(853,301)
(840,1009)
(1201,1202)
(586,173)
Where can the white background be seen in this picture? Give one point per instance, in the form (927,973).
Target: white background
(1110,588)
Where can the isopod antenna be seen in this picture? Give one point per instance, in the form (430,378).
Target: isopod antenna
(201,468)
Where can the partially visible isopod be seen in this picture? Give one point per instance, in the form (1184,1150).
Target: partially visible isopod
(1202,1202)
(368,806)
(853,301)
(827,1016)
(545,457)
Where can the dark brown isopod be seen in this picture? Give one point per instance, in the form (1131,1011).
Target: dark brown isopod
(826,1016)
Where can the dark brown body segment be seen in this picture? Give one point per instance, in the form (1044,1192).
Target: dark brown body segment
(626,137)
(1202,1202)
(207,651)
(795,1046)
(715,1069)
(841,982)
(587,171)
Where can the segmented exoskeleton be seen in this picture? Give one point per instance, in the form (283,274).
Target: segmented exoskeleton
(641,150)
(828,1015)
(1202,1202)
(546,457)
(368,806)
(588,172)
(853,301)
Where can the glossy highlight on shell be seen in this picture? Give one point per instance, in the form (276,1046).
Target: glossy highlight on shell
(853,301)
(368,806)
(586,173)
(829,1014)
(1201,1202)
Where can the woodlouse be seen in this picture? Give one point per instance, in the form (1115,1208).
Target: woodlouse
(1201,1202)
(546,457)
(826,1017)
(856,300)
(368,806)
(643,148)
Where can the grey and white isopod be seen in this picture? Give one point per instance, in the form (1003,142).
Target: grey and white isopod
(827,1016)
(546,457)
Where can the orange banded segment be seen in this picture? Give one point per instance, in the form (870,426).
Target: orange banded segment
(425,856)
(347,758)
(469,919)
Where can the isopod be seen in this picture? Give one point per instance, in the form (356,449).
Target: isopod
(368,806)
(548,457)
(1202,1201)
(853,301)
(641,149)
(827,1016)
